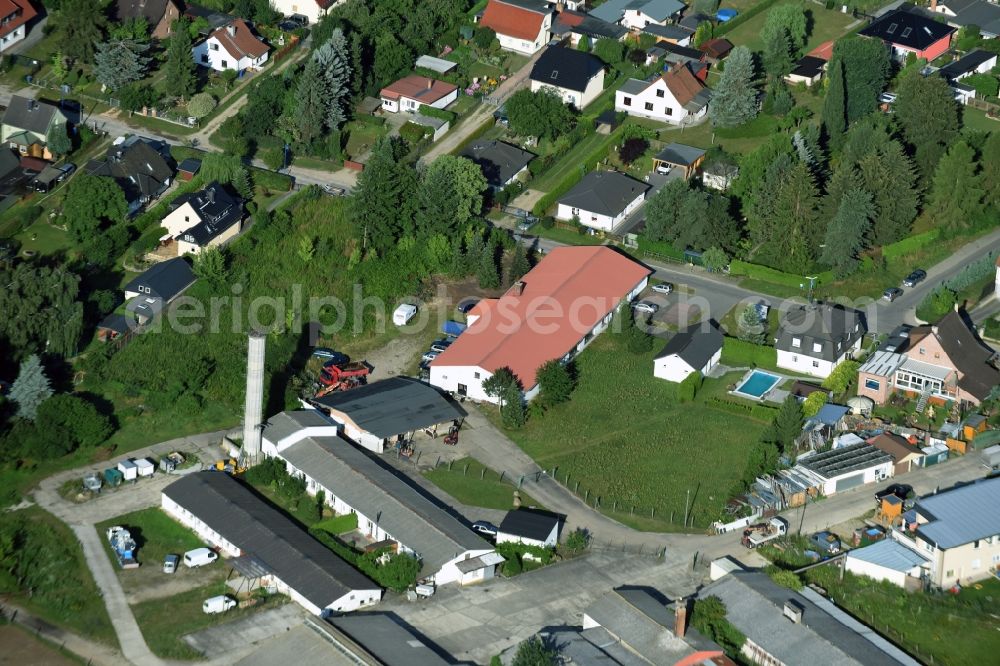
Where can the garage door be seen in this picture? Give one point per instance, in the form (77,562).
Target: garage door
(849,482)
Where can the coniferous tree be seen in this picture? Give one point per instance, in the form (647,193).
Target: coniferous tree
(956,199)
(734,101)
(928,115)
(788,423)
(31,388)
(519,264)
(79,25)
(312,99)
(849,232)
(119,62)
(451,194)
(382,203)
(989,165)
(180,78)
(835,105)
(334,60)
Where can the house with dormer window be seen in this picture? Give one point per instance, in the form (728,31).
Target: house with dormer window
(14,18)
(814,339)
(203,219)
(577,77)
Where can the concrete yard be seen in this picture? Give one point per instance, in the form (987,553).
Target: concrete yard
(217,642)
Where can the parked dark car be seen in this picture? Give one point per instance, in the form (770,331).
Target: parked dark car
(892,294)
(467,304)
(915,278)
(900,490)
(338,358)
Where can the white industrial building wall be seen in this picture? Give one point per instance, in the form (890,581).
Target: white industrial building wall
(449,573)
(874,571)
(190,520)
(550,541)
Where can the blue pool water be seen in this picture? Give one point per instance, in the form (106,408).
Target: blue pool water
(758,383)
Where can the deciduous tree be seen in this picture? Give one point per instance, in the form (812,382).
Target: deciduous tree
(79,26)
(541,114)
(451,194)
(611,51)
(57,140)
(201,105)
(535,652)
(91,203)
(555,382)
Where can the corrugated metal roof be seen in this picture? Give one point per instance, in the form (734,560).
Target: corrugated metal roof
(882,364)
(398,508)
(961,515)
(286,424)
(889,554)
(837,462)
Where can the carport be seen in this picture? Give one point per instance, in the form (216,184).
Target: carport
(678,156)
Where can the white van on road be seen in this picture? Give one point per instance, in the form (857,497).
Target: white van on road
(199,557)
(219,604)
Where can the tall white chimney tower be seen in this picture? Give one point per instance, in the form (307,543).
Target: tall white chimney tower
(252,417)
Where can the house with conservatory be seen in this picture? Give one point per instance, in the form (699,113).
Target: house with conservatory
(939,363)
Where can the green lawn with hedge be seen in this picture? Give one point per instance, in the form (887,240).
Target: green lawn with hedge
(473,484)
(624,437)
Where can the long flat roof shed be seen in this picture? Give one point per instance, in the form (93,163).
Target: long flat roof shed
(439,65)
(838,462)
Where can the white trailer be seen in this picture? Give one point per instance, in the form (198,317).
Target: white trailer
(129,470)
(144,467)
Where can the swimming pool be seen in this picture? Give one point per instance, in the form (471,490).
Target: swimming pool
(757,383)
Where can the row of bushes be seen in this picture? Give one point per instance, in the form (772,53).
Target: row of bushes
(398,573)
(440,114)
(660,248)
(910,244)
(756,412)
(514,557)
(736,352)
(774,276)
(568,181)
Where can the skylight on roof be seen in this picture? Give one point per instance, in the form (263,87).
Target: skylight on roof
(906,33)
(892,29)
(555,74)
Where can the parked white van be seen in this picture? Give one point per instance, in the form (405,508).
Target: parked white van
(199,557)
(403,314)
(219,604)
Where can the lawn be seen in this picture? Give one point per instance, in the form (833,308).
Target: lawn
(156,535)
(361,136)
(473,484)
(63,591)
(339,524)
(974,119)
(568,236)
(624,440)
(923,624)
(43,238)
(165,621)
(825,24)
(571,160)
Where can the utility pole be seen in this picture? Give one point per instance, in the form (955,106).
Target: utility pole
(686,501)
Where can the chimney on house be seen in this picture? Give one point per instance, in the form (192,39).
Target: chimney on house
(680,618)
(560,7)
(210,195)
(956,306)
(430,83)
(793,611)
(933,5)
(519,287)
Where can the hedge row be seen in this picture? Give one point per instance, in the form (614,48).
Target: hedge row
(573,177)
(773,275)
(764,413)
(910,244)
(736,352)
(720,30)
(661,248)
(440,114)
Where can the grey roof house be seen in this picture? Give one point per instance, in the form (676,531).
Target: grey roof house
(500,162)
(387,506)
(695,349)
(580,25)
(376,414)
(576,76)
(959,13)
(27,123)
(637,13)
(266,545)
(205,218)
(531,526)
(976,61)
(142,167)
(813,339)
(784,626)
(148,293)
(602,199)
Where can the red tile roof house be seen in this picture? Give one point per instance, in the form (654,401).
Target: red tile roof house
(233,46)
(14,17)
(944,362)
(412,92)
(522,26)
(552,313)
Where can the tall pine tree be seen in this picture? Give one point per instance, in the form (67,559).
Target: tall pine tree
(31,388)
(848,232)
(928,115)
(312,99)
(835,105)
(180,79)
(734,100)
(382,205)
(989,164)
(119,62)
(956,200)
(333,58)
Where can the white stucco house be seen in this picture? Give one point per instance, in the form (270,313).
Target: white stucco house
(412,92)
(814,339)
(551,314)
(577,77)
(313,10)
(14,22)
(390,511)
(844,468)
(697,349)
(676,97)
(207,218)
(602,199)
(233,46)
(531,527)
(265,547)
(521,26)
(637,14)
